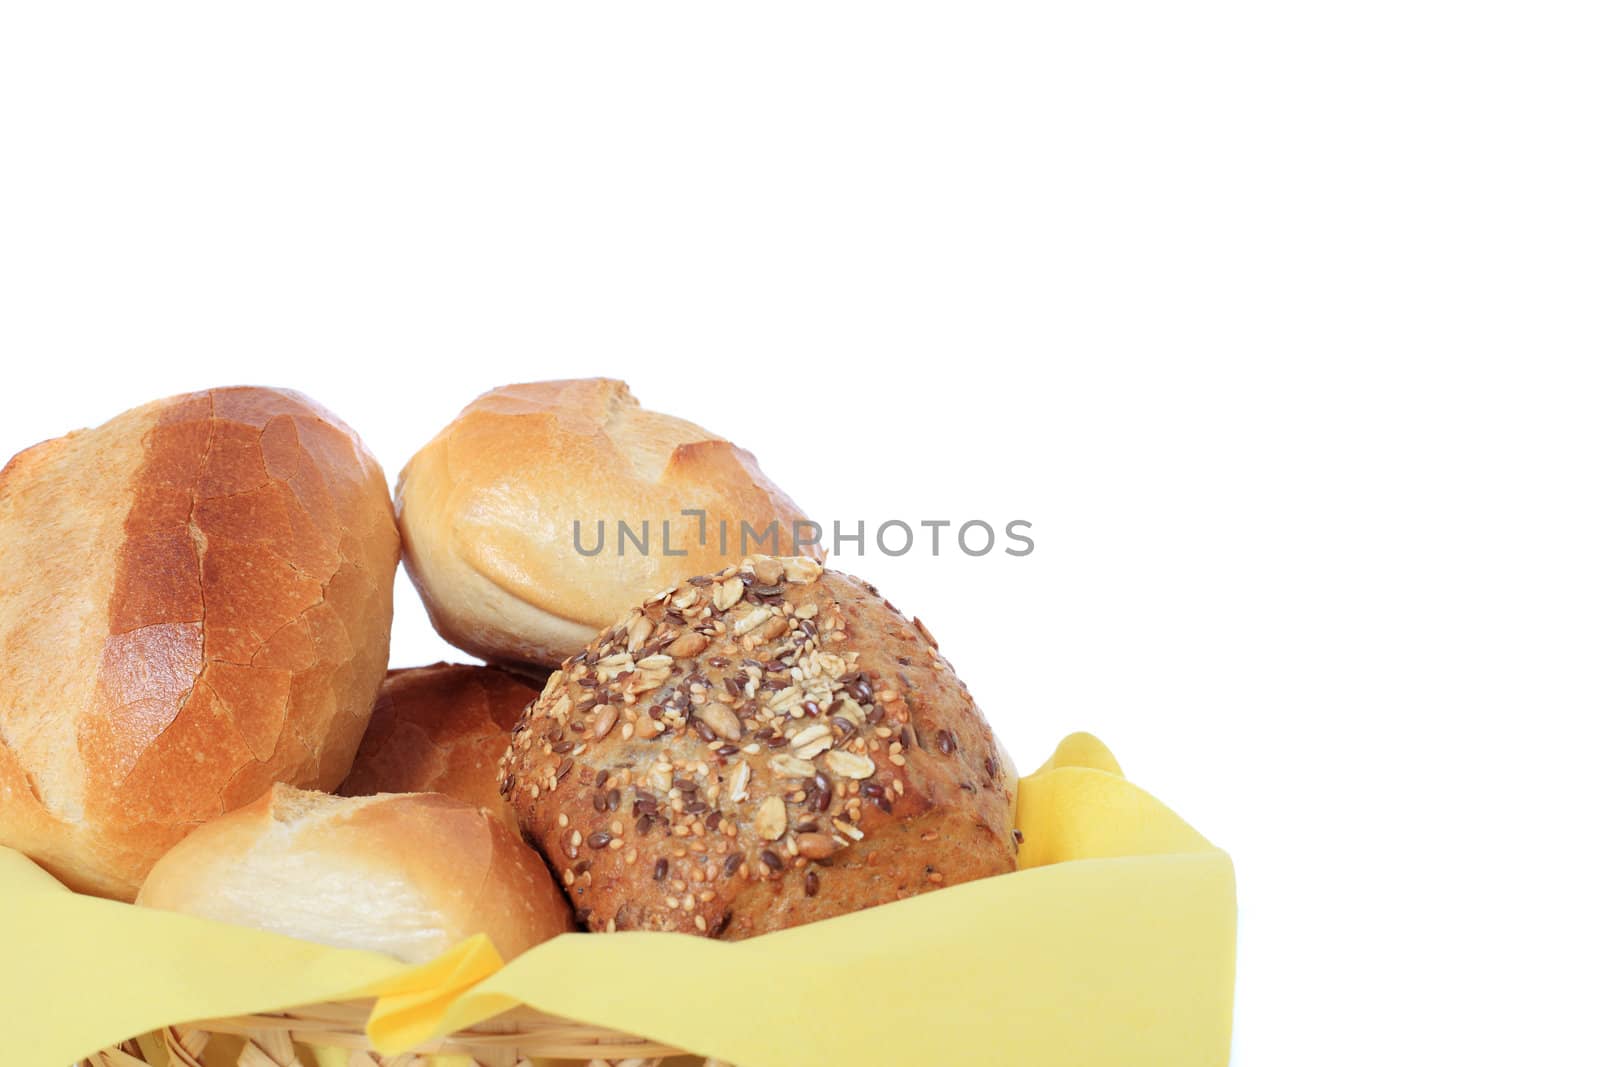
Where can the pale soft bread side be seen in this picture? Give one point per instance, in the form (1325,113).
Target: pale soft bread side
(410,875)
(442,729)
(487,511)
(195,602)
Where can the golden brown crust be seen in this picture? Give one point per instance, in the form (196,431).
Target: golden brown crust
(487,511)
(763,747)
(441,729)
(408,874)
(224,561)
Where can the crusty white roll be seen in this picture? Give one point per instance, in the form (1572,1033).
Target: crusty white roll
(408,874)
(487,511)
(195,602)
(442,729)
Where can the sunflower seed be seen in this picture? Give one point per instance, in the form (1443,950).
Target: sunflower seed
(772,819)
(724,723)
(687,645)
(727,594)
(639,633)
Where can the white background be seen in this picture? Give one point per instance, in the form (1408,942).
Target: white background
(1276,320)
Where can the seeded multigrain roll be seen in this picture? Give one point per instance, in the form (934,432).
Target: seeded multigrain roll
(752,750)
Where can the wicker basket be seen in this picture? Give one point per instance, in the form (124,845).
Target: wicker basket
(277,1040)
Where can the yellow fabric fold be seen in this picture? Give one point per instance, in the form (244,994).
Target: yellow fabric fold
(1081,750)
(410,1005)
(1113,946)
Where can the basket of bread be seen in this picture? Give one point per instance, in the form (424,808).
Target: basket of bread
(699,803)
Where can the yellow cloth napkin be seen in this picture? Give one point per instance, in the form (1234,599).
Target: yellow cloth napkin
(78,974)
(1113,946)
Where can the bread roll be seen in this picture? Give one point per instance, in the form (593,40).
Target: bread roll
(487,511)
(763,747)
(194,603)
(441,729)
(406,874)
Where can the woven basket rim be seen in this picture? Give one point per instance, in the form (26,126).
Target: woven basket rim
(509,1038)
